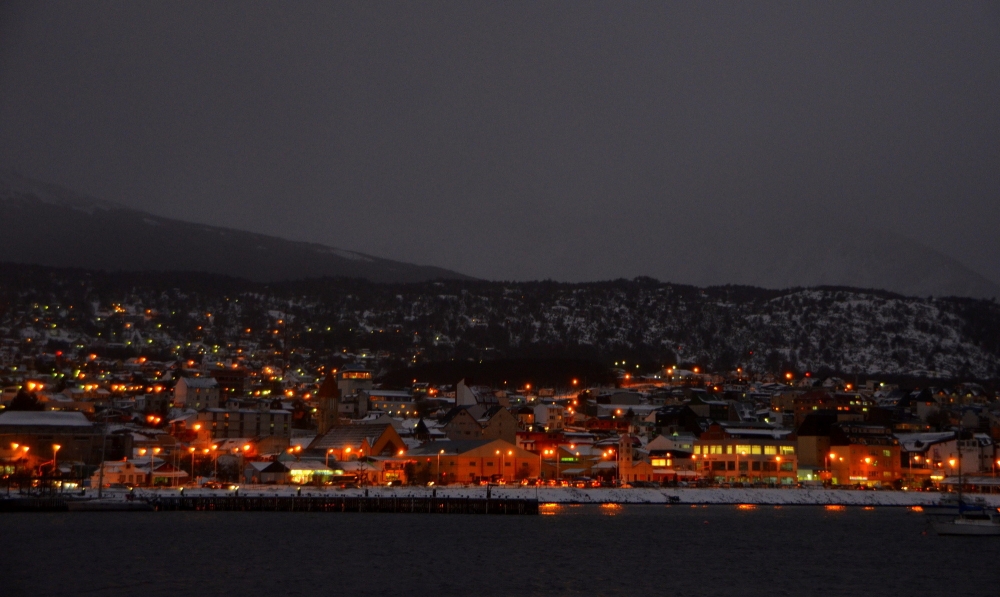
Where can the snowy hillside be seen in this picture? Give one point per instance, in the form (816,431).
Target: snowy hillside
(721,328)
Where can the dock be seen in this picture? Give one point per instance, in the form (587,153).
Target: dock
(231,503)
(387,505)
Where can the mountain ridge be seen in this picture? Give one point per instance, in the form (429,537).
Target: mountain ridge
(54,226)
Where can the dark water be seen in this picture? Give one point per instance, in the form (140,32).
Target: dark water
(578,550)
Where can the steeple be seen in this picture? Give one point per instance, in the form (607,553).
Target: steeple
(328,410)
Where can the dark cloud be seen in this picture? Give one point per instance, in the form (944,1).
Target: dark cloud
(521,140)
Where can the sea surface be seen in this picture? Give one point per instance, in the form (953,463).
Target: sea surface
(568,550)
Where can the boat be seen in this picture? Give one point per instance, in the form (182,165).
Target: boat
(951,505)
(969,523)
(976,519)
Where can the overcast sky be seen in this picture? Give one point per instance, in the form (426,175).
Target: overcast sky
(517,140)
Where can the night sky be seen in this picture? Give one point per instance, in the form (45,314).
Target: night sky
(564,140)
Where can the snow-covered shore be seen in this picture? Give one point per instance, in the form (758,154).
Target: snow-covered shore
(570,495)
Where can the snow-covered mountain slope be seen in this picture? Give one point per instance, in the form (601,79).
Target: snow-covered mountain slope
(720,328)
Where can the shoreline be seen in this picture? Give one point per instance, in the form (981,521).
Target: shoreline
(570,495)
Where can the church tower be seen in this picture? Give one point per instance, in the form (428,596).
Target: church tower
(328,409)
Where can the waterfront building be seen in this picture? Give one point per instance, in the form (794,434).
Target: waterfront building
(473,460)
(78,439)
(746,454)
(863,454)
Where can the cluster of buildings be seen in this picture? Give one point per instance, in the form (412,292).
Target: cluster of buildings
(89,422)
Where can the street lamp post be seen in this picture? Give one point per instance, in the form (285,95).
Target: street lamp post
(192,451)
(152,452)
(437,479)
(777,470)
(513,464)
(243,455)
(328,452)
(556,457)
(215,462)
(55,453)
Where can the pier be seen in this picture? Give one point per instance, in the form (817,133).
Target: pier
(394,505)
(231,503)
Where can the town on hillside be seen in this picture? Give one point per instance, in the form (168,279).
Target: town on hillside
(73,421)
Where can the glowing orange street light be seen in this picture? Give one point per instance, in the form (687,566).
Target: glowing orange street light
(192,451)
(151,453)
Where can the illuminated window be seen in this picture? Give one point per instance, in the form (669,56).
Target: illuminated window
(755,450)
(887,453)
(743,449)
(659,462)
(770,450)
(786,450)
(729,449)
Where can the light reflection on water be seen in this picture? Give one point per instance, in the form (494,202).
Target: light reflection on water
(564,552)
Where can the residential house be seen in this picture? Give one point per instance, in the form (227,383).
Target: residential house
(462,422)
(245,422)
(498,423)
(196,393)
(345,442)
(550,416)
(395,403)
